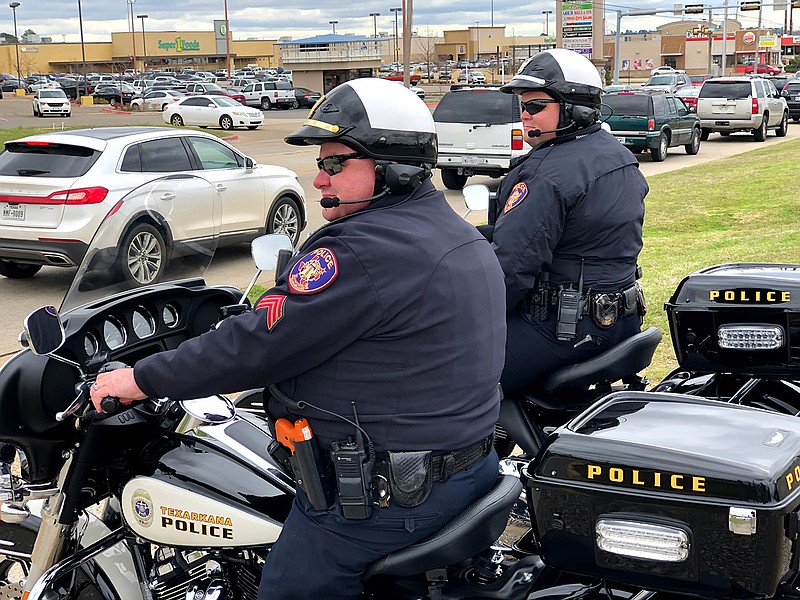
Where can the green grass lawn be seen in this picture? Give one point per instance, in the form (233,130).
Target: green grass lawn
(737,209)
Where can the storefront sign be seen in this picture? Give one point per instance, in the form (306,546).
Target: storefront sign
(179,45)
(768,41)
(749,38)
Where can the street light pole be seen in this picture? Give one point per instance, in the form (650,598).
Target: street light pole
(133,33)
(478,41)
(395,11)
(375,23)
(547,14)
(13,6)
(333,24)
(144,46)
(83,54)
(227,43)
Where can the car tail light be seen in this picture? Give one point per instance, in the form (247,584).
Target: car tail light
(651,124)
(755,106)
(81,196)
(516,139)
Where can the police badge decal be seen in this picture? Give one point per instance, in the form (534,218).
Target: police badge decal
(314,272)
(516,197)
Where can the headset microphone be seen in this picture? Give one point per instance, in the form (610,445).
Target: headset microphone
(333,202)
(534,133)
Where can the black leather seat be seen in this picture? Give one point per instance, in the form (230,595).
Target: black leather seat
(477,528)
(626,358)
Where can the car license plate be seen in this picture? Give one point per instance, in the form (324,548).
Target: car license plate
(797,98)
(13,212)
(724,109)
(621,140)
(474,160)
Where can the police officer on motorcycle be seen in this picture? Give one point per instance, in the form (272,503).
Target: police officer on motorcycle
(567,226)
(386,333)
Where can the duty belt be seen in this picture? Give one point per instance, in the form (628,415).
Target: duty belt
(443,466)
(626,300)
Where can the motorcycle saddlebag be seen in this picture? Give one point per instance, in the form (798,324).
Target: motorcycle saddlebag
(738,318)
(670,492)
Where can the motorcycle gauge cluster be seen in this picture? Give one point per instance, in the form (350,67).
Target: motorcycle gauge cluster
(170,316)
(114,333)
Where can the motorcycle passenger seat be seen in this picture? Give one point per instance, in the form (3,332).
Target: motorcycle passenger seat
(626,358)
(477,528)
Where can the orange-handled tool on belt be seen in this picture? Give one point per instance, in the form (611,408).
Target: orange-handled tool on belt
(309,470)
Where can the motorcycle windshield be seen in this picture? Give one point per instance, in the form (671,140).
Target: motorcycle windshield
(164,230)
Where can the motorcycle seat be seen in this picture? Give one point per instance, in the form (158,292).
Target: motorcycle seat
(626,358)
(475,529)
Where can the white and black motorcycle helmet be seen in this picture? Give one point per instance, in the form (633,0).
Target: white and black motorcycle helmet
(566,76)
(375,117)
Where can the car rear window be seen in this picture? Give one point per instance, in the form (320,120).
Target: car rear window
(792,87)
(632,105)
(478,106)
(44,159)
(730,90)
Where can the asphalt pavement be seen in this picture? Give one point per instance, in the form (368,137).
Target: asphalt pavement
(233,265)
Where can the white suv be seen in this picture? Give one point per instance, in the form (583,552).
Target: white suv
(58,187)
(479,131)
(51,101)
(729,104)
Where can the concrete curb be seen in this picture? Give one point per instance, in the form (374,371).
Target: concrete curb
(116,112)
(231,138)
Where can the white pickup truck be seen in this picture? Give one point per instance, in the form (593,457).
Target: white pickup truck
(266,94)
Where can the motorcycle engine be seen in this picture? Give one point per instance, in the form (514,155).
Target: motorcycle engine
(179,574)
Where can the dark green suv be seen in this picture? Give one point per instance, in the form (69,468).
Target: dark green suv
(652,121)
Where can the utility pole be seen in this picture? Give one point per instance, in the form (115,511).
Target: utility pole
(396,49)
(133,34)
(710,40)
(724,36)
(407,29)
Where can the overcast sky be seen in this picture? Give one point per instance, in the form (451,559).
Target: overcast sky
(304,18)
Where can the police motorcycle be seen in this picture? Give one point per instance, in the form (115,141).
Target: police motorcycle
(527,416)
(162,499)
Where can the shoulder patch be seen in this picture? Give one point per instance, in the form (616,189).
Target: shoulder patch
(314,272)
(516,196)
(274,305)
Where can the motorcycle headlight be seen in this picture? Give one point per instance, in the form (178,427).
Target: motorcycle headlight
(750,337)
(648,541)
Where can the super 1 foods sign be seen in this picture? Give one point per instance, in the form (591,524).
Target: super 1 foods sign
(179,45)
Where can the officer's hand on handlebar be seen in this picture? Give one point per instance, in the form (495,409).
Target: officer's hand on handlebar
(119,383)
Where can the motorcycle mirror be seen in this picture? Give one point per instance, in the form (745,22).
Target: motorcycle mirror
(266,249)
(270,252)
(476,197)
(44,332)
(211,410)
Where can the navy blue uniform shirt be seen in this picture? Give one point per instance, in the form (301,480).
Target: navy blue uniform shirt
(399,308)
(575,197)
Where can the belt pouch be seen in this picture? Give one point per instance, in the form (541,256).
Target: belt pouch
(410,477)
(605,309)
(640,301)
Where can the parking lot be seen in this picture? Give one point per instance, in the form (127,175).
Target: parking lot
(265,144)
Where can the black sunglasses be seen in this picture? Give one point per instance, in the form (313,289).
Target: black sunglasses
(333,164)
(533,107)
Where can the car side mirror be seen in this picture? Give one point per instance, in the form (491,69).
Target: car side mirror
(249,164)
(692,110)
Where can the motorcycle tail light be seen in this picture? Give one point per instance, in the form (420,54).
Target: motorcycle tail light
(750,337)
(646,541)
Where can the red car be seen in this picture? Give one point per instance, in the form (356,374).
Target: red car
(763,69)
(229,93)
(398,76)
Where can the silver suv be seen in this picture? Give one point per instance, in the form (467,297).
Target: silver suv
(479,131)
(729,104)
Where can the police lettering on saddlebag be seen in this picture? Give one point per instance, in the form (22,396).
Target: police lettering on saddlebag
(738,318)
(670,492)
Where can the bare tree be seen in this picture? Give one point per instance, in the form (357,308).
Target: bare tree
(425,46)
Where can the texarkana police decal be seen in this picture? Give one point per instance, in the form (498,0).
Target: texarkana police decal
(142,507)
(516,196)
(314,272)
(274,305)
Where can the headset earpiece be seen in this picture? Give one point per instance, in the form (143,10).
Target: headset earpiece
(402,179)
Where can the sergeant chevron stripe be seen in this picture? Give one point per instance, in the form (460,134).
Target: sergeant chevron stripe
(274,306)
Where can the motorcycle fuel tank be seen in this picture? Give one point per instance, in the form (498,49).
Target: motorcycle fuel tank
(738,318)
(201,496)
(670,492)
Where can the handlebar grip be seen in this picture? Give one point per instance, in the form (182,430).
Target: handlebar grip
(110,404)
